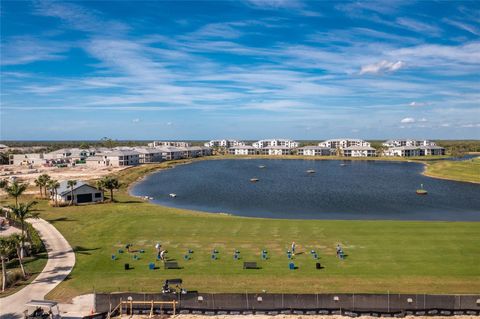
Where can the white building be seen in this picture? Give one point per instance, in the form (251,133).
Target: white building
(359,151)
(408,142)
(30,159)
(224,143)
(431,150)
(315,151)
(169,143)
(82,193)
(276,150)
(121,158)
(343,143)
(242,150)
(403,151)
(148,155)
(276,142)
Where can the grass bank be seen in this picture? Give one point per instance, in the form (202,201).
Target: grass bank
(465,171)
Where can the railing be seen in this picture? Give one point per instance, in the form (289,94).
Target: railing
(129,306)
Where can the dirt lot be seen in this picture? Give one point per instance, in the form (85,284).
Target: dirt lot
(28,175)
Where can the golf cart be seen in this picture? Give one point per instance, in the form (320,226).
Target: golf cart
(41,309)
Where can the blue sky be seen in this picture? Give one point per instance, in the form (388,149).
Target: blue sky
(240,69)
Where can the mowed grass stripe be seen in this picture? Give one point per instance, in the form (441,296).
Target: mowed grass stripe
(399,256)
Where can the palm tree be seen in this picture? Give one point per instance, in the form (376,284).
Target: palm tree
(17,241)
(6,249)
(71,184)
(38,182)
(22,212)
(110,183)
(53,185)
(3,183)
(44,179)
(16,190)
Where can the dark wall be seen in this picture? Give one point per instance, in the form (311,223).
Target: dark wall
(269,302)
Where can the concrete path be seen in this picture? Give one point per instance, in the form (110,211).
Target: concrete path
(61,260)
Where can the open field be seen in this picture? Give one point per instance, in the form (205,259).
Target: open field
(467,171)
(395,256)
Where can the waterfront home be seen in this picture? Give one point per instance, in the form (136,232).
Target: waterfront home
(342,143)
(431,150)
(224,143)
(359,151)
(276,150)
(403,151)
(69,155)
(82,193)
(242,150)
(121,157)
(315,151)
(408,142)
(171,153)
(148,155)
(197,151)
(275,142)
(169,143)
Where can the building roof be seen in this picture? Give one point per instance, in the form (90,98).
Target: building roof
(120,153)
(147,150)
(94,158)
(431,147)
(404,148)
(359,148)
(64,189)
(279,147)
(314,147)
(243,147)
(344,139)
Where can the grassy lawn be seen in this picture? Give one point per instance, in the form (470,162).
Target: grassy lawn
(33,266)
(467,171)
(395,256)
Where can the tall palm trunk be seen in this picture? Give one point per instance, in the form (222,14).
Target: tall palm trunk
(41,192)
(20,260)
(71,197)
(111,194)
(4,274)
(22,244)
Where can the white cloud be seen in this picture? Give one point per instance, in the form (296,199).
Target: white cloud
(417,104)
(169,123)
(418,26)
(382,67)
(136,120)
(408,120)
(423,120)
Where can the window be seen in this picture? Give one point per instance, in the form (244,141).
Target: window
(98,195)
(69,197)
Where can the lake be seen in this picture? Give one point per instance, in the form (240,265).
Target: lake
(337,190)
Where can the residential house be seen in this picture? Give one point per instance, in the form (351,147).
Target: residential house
(342,143)
(29,159)
(242,150)
(276,150)
(275,142)
(408,142)
(428,150)
(82,193)
(169,143)
(359,151)
(403,151)
(315,151)
(224,143)
(148,155)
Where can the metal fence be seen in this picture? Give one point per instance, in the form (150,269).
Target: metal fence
(350,304)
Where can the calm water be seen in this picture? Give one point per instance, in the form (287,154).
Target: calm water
(356,190)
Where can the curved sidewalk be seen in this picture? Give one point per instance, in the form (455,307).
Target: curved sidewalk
(61,260)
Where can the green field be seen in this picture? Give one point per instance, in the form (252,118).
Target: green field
(395,256)
(467,171)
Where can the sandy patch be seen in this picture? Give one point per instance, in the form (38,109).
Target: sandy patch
(28,175)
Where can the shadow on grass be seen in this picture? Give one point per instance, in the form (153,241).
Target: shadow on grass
(84,250)
(61,219)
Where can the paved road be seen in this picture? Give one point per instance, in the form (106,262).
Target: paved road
(61,259)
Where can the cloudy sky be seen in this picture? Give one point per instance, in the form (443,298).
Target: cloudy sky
(239,69)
